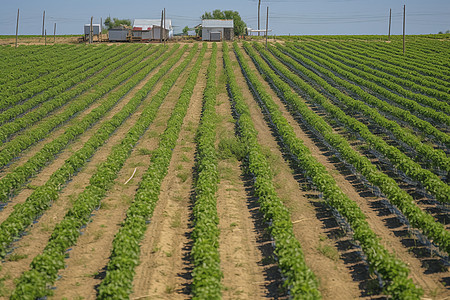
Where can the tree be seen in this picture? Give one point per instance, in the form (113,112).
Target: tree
(185,30)
(115,22)
(239,25)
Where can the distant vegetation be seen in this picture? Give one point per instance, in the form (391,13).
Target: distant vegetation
(440,32)
(115,22)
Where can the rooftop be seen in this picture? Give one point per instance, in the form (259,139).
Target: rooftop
(146,24)
(217,23)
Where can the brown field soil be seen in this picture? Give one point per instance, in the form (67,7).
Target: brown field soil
(246,250)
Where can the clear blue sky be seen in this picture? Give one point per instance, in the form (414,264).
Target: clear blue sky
(285,16)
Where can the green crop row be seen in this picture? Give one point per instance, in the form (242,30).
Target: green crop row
(126,244)
(423,84)
(437,157)
(50,65)
(396,83)
(206,275)
(16,65)
(46,90)
(393,271)
(403,115)
(41,199)
(418,218)
(23,141)
(45,266)
(400,160)
(416,59)
(357,76)
(17,177)
(299,279)
(397,60)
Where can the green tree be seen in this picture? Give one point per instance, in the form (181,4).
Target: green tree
(239,25)
(185,30)
(115,22)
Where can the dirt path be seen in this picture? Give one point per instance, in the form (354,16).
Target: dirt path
(240,239)
(164,271)
(86,265)
(31,244)
(382,222)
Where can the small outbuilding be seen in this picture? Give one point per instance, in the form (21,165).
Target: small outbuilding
(217,30)
(95,29)
(120,34)
(150,29)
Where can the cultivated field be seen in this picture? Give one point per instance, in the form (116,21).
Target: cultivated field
(317,167)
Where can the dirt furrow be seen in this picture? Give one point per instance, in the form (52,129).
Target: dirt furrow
(314,228)
(26,154)
(425,270)
(86,264)
(240,245)
(74,146)
(32,243)
(164,271)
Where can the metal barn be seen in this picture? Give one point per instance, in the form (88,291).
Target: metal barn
(118,34)
(217,30)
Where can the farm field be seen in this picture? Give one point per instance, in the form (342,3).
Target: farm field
(317,167)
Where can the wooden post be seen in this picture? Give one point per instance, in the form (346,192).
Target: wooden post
(161,31)
(17,26)
(43,23)
(267,24)
(54,33)
(101,29)
(259,8)
(404,18)
(91,32)
(390,17)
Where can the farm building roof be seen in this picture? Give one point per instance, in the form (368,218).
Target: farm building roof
(146,24)
(212,23)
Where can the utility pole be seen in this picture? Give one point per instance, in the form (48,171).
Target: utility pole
(17,26)
(160,30)
(43,23)
(54,33)
(101,29)
(390,17)
(164,29)
(45,39)
(267,24)
(404,23)
(91,32)
(259,8)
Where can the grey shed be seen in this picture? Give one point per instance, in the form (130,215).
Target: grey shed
(217,30)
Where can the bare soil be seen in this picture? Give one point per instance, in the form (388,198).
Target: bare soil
(164,270)
(240,245)
(86,266)
(426,271)
(305,208)
(246,250)
(31,244)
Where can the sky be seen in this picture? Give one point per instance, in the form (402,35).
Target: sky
(295,17)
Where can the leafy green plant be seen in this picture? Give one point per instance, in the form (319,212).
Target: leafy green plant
(393,271)
(126,248)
